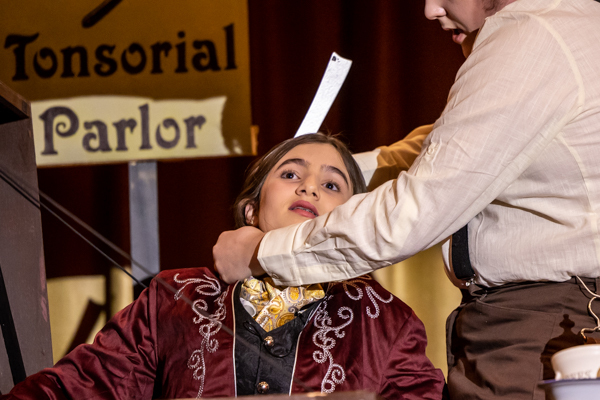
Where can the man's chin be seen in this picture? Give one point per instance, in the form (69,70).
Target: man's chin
(467,43)
(459,37)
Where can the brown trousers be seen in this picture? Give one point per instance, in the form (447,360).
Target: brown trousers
(500,340)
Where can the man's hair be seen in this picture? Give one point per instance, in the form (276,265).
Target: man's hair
(258,171)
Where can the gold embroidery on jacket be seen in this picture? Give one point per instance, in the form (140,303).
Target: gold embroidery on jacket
(335,374)
(208,327)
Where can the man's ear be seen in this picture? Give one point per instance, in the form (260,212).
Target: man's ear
(251,217)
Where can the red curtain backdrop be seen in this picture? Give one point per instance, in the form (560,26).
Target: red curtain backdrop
(403,68)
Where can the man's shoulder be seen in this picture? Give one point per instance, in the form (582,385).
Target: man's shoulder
(528,22)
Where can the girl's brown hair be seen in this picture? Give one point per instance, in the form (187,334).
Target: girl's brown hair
(258,171)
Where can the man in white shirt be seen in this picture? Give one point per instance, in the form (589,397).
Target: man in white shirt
(514,155)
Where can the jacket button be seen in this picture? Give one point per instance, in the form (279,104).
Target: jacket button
(269,342)
(262,387)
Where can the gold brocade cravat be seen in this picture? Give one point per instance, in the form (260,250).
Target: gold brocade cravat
(272,307)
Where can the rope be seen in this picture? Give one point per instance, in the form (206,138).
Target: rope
(592,313)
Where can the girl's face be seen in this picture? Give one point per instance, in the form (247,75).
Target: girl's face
(310,180)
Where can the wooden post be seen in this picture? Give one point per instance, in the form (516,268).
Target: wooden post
(143,220)
(25,343)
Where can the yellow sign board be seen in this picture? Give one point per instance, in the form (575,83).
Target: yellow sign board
(114,80)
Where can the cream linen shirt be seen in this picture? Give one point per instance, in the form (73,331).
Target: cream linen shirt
(516,154)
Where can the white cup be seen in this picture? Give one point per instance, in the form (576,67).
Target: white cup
(578,362)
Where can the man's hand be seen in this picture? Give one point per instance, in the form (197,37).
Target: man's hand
(235,254)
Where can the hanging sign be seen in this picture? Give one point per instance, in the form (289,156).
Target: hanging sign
(116,81)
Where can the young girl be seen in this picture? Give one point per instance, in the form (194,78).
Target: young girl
(338,336)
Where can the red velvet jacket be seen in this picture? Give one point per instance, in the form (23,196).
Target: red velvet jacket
(360,337)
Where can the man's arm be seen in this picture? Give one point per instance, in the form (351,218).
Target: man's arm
(378,166)
(503,111)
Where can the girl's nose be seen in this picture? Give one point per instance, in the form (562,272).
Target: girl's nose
(308,187)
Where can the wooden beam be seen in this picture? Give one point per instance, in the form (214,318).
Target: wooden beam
(13,106)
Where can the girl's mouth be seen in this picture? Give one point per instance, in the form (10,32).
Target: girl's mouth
(305,209)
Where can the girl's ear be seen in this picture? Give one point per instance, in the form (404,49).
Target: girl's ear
(251,218)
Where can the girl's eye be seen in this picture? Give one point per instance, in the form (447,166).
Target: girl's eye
(332,186)
(289,175)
